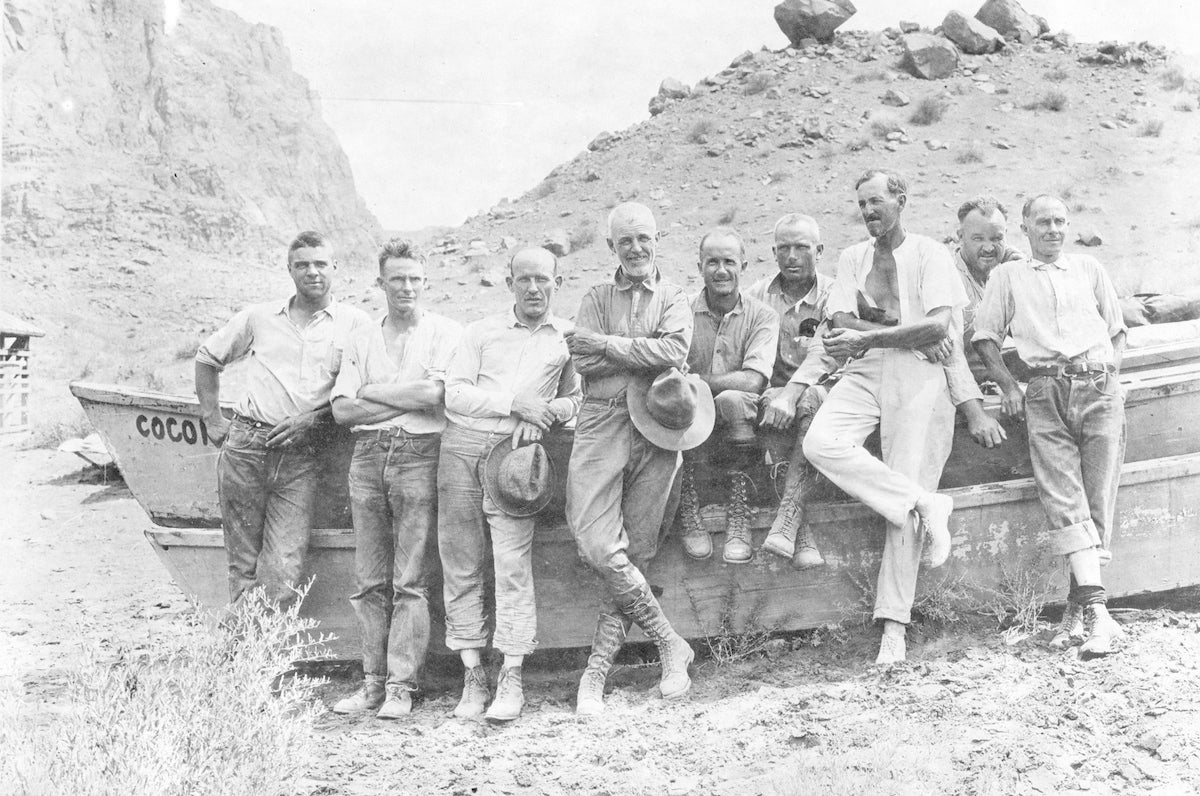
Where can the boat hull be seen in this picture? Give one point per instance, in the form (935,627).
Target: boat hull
(1000,545)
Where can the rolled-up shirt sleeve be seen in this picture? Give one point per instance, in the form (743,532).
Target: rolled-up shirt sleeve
(941,285)
(995,312)
(817,361)
(762,345)
(229,343)
(843,293)
(352,375)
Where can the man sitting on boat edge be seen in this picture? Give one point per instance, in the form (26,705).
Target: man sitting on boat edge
(734,340)
(268,467)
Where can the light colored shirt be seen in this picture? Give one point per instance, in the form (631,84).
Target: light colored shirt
(500,358)
(974,289)
(648,327)
(793,346)
(428,348)
(745,338)
(1055,312)
(926,280)
(291,369)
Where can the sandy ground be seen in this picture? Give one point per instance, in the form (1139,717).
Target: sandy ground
(969,714)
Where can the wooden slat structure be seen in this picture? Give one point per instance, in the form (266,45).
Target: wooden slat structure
(14,372)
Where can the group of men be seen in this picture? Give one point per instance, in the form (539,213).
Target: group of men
(448,425)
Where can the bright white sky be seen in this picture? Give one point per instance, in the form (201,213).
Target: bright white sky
(521,86)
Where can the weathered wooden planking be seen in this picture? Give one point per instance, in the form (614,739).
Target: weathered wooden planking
(999,531)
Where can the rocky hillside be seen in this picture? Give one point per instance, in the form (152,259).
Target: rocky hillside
(1111,128)
(153,173)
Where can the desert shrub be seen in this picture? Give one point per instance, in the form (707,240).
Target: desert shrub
(928,111)
(1057,75)
(582,236)
(185,349)
(1175,78)
(883,124)
(1053,100)
(727,215)
(972,154)
(778,176)
(859,143)
(1184,102)
(700,131)
(1151,128)
(870,75)
(1018,601)
(201,713)
(758,82)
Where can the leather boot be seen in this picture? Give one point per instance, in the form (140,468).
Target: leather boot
(807,556)
(737,524)
(611,629)
(696,541)
(673,650)
(369,697)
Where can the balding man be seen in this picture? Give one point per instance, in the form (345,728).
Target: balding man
(509,383)
(1062,312)
(618,482)
(733,350)
(893,380)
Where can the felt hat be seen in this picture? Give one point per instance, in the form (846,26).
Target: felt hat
(520,482)
(674,411)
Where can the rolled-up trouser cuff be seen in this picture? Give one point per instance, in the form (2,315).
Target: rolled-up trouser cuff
(901,615)
(460,644)
(1073,538)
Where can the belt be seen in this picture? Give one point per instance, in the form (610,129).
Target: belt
(1074,370)
(616,400)
(249,421)
(392,433)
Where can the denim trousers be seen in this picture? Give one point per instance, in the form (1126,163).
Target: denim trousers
(393,500)
(266,496)
(468,524)
(618,486)
(909,401)
(1077,444)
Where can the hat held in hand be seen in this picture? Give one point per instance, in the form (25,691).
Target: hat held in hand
(673,411)
(520,482)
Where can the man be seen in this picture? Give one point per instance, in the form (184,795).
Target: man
(982,223)
(1063,314)
(798,294)
(733,351)
(618,482)
(268,468)
(510,381)
(390,391)
(893,380)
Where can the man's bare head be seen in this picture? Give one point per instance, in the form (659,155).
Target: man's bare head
(797,247)
(1044,220)
(533,278)
(982,223)
(633,237)
(882,196)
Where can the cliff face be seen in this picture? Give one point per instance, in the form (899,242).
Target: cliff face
(119,130)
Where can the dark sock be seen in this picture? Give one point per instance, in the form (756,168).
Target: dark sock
(1087,595)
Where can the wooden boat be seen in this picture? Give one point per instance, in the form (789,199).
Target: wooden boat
(162,449)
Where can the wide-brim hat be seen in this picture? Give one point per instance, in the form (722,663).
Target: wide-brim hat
(520,482)
(674,411)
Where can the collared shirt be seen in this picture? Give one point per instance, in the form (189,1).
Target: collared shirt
(926,279)
(500,358)
(974,289)
(290,369)
(1055,312)
(649,329)
(428,349)
(745,338)
(793,346)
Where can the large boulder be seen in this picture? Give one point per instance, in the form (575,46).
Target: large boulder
(971,35)
(928,56)
(1009,19)
(672,89)
(812,19)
